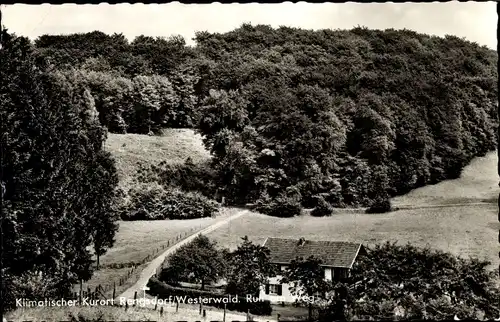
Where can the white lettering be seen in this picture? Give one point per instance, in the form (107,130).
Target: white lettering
(181,299)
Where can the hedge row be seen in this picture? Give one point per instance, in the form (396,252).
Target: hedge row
(163,291)
(154,202)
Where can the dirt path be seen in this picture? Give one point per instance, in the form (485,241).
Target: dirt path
(150,270)
(192,314)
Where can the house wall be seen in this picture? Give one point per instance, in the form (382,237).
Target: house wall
(328,274)
(286,295)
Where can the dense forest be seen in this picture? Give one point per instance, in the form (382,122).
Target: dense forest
(293,118)
(297,117)
(58,184)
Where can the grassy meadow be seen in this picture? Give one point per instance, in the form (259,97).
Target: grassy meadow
(478,183)
(136,240)
(173,146)
(462,230)
(465,231)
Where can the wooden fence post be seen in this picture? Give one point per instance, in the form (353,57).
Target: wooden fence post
(135,297)
(81,291)
(176,306)
(224,316)
(114,290)
(161,311)
(126,306)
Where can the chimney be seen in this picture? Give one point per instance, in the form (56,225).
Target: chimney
(302,241)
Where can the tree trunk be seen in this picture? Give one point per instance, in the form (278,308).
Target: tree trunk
(97,261)
(310,311)
(202,284)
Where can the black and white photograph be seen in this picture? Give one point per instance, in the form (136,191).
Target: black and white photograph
(249,162)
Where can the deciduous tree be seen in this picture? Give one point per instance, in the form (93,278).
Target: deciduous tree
(199,260)
(307,280)
(248,268)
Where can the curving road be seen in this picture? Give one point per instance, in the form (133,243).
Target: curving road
(150,270)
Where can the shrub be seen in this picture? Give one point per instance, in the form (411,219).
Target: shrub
(420,283)
(152,202)
(323,208)
(288,203)
(164,291)
(188,176)
(198,261)
(282,206)
(380,205)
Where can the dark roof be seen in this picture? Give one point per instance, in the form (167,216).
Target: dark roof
(332,253)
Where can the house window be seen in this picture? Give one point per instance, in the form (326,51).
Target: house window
(274,289)
(340,273)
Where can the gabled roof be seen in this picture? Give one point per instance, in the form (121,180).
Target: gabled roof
(332,253)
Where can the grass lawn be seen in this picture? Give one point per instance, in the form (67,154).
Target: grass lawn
(138,240)
(104,313)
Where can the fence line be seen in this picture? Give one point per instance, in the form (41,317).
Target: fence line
(100,291)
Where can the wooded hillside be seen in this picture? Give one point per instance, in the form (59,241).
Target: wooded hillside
(295,116)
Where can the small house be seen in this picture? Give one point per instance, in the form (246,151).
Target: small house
(337,260)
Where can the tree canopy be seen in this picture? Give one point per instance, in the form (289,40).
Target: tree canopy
(198,261)
(59,183)
(248,268)
(351,117)
(414,283)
